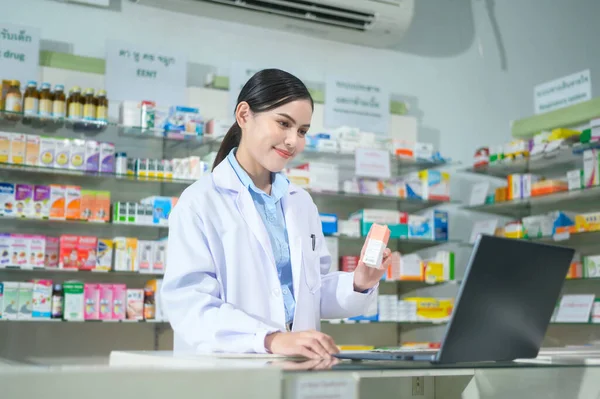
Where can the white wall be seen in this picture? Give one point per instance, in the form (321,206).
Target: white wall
(465,97)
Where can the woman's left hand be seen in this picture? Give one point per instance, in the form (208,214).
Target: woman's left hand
(366,277)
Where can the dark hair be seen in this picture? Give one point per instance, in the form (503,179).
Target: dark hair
(266,90)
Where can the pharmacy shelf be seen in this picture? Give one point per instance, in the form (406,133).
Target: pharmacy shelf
(402,244)
(405,204)
(36,122)
(574,240)
(38,170)
(346,161)
(40,320)
(19,269)
(400,323)
(559,161)
(577,201)
(99,225)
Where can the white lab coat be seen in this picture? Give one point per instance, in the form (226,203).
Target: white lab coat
(221,291)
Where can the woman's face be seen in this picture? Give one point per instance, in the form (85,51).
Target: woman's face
(274,137)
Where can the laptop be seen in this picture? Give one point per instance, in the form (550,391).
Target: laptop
(503,307)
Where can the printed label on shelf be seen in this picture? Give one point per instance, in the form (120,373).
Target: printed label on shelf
(138,73)
(325,388)
(562,92)
(372,163)
(483,227)
(479,193)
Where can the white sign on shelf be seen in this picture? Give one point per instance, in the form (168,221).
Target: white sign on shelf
(19,52)
(575,308)
(326,388)
(487,227)
(358,104)
(479,193)
(562,92)
(139,73)
(372,163)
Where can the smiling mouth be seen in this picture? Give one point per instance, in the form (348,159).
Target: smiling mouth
(283,153)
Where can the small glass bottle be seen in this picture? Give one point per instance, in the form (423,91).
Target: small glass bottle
(57,301)
(31,99)
(13,97)
(89,105)
(59,103)
(46,99)
(74,109)
(102,107)
(149,308)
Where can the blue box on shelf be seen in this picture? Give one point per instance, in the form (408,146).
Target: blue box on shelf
(396,230)
(329,223)
(433,225)
(371,318)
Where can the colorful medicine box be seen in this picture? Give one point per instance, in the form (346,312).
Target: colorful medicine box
(435,185)
(329,223)
(432,225)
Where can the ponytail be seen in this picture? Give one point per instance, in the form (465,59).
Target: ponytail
(230,141)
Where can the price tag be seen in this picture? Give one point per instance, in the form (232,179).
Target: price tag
(19,52)
(326,388)
(575,308)
(483,227)
(479,192)
(372,163)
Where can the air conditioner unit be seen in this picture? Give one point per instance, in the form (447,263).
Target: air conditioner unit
(373,23)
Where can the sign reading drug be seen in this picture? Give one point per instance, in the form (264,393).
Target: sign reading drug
(138,73)
(357,104)
(19,52)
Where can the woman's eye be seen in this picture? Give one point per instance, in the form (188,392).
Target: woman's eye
(284,124)
(302,132)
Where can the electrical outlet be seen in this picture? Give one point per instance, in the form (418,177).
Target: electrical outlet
(418,386)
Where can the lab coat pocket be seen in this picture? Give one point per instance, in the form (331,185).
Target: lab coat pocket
(311,269)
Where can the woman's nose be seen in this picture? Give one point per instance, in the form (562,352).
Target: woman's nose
(290,140)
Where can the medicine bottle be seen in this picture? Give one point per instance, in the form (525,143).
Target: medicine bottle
(59,103)
(57,301)
(31,99)
(149,308)
(74,110)
(89,105)
(13,97)
(102,107)
(46,98)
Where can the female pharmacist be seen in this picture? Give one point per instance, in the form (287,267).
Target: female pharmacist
(247,262)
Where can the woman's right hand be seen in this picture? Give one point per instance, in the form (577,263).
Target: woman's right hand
(308,344)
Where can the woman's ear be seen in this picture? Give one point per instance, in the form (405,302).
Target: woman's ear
(243,114)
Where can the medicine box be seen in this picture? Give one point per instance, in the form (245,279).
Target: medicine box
(87,204)
(101,210)
(323,177)
(159,252)
(5,146)
(433,225)
(86,252)
(1,299)
(435,185)
(155,285)
(62,154)
(24,200)
(32,150)
(591,172)
(17,149)
(73,202)
(10,304)
(119,296)
(106,301)
(41,202)
(514,187)
(7,199)
(73,308)
(135,304)
(591,266)
(91,294)
(25,301)
(37,251)
(5,247)
(575,179)
(412,268)
(329,223)
(92,156)
(77,159)
(19,248)
(68,252)
(371,314)
(104,255)
(125,254)
(107,158)
(52,254)
(57,202)
(47,152)
(161,208)
(435,310)
(416,186)
(42,299)
(144,256)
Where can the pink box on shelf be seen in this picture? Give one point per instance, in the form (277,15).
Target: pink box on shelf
(119,297)
(106,301)
(91,295)
(52,253)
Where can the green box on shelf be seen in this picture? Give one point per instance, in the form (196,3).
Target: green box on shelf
(396,230)
(591,266)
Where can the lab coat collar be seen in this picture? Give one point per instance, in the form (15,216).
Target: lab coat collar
(225,177)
